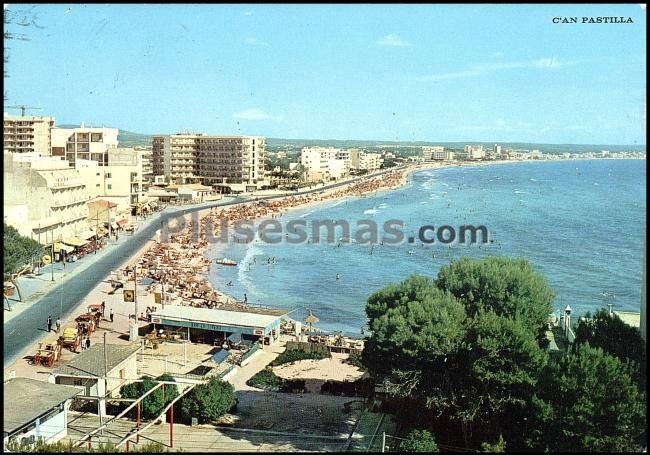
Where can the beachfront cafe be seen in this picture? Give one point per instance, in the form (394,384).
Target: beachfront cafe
(211,326)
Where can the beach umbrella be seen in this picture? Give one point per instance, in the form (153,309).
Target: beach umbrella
(311,319)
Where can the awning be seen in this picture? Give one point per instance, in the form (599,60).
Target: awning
(220,356)
(102,232)
(75,241)
(121,223)
(114,225)
(235,338)
(58,246)
(86,235)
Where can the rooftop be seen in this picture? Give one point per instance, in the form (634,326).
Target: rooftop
(631,318)
(91,361)
(26,399)
(212,316)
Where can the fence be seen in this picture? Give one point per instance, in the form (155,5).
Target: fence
(307,347)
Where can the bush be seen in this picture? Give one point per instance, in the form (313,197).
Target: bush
(152,404)
(265,380)
(355,359)
(68,447)
(209,401)
(419,441)
(297,354)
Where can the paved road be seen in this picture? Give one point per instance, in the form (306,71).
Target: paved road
(25,329)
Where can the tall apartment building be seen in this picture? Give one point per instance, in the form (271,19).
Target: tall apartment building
(325,163)
(474,152)
(236,162)
(44,198)
(437,153)
(362,160)
(428,152)
(84,143)
(27,134)
(147,163)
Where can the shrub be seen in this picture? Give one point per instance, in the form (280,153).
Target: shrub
(209,401)
(355,359)
(419,441)
(297,354)
(266,380)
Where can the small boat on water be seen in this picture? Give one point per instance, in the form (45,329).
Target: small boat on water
(225,261)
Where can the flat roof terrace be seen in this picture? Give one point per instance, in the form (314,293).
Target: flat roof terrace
(216,320)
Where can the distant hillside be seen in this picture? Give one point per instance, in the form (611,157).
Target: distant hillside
(131,139)
(280,144)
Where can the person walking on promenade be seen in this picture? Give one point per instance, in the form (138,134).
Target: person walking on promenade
(58,325)
(112,315)
(49,323)
(88,343)
(83,342)
(103,308)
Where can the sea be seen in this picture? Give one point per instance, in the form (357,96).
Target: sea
(581,223)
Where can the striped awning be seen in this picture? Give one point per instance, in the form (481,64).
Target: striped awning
(75,241)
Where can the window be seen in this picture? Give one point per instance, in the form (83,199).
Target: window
(97,174)
(109,186)
(108,175)
(122,373)
(77,382)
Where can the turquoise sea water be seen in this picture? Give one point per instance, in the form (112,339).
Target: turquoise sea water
(581,224)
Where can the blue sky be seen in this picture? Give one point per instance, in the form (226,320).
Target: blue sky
(377,72)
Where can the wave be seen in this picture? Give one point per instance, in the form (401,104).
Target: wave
(370,211)
(519,192)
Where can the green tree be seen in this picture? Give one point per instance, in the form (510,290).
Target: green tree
(615,337)
(462,351)
(496,447)
(504,362)
(209,401)
(507,286)
(153,404)
(19,252)
(416,328)
(419,441)
(588,401)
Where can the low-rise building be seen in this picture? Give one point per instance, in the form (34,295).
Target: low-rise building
(84,143)
(35,409)
(97,373)
(209,324)
(44,198)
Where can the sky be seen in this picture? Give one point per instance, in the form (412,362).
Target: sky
(502,73)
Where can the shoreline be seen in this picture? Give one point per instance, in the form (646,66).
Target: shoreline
(405,179)
(306,201)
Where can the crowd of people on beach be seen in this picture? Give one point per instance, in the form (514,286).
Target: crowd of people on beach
(179,266)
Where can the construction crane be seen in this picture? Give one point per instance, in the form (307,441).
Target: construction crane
(23,108)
